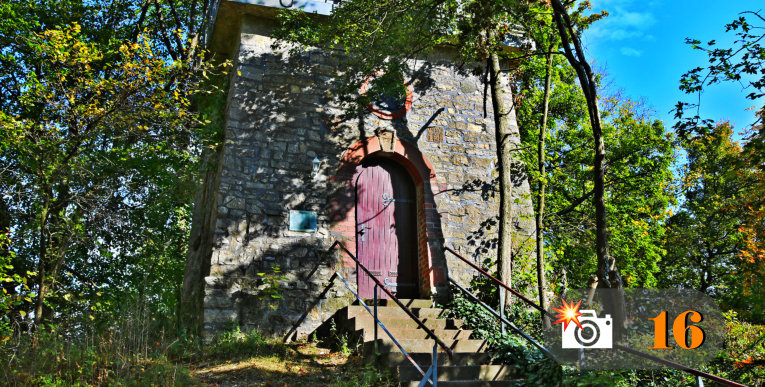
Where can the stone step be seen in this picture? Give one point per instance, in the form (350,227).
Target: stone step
(395,311)
(394,359)
(469,366)
(407,372)
(408,302)
(367,322)
(419,333)
(425,346)
(468,383)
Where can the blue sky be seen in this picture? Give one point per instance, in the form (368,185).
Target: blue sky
(641,47)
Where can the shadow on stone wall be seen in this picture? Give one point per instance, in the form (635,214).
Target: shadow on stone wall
(282,115)
(483,241)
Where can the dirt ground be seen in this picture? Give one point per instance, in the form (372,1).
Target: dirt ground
(304,364)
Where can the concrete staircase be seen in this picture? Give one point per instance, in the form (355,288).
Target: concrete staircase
(469,366)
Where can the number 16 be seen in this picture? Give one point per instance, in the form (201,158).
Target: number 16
(679,329)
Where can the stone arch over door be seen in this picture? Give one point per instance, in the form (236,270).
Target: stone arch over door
(432,271)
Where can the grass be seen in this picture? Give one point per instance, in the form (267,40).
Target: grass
(235,358)
(292,364)
(52,358)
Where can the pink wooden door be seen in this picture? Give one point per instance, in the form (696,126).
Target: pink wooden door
(386,233)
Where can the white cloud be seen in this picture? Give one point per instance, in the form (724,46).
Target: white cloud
(622,34)
(633,19)
(629,51)
(627,20)
(609,3)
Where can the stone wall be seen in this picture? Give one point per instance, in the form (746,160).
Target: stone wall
(281,115)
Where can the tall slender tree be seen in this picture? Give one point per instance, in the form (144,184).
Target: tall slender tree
(607,274)
(541,186)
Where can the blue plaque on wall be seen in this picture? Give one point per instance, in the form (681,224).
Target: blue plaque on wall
(302,220)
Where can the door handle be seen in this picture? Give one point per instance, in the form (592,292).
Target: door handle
(363,228)
(388,199)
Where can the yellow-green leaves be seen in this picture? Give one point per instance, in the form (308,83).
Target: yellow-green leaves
(97,133)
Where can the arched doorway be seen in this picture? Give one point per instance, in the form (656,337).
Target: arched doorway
(386,227)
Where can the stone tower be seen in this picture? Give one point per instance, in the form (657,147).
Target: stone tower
(395,185)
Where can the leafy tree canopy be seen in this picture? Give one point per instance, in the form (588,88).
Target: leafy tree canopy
(100,137)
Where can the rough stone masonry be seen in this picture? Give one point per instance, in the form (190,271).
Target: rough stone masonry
(280,118)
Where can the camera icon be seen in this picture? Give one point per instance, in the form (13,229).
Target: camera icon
(596,332)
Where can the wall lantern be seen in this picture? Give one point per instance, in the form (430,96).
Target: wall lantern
(316,165)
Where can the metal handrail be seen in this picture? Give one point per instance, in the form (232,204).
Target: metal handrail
(377,320)
(681,367)
(504,320)
(392,297)
(498,282)
(629,350)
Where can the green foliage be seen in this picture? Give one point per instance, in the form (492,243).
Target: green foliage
(340,340)
(271,290)
(723,183)
(703,238)
(235,343)
(389,87)
(367,375)
(374,38)
(384,37)
(744,343)
(101,145)
(53,357)
(14,290)
(621,378)
(476,317)
(741,63)
(510,348)
(639,177)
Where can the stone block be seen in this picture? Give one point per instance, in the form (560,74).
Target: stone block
(480,162)
(218,301)
(236,204)
(460,160)
(434,134)
(220,316)
(475,128)
(467,87)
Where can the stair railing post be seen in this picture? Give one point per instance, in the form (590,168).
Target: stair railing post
(502,296)
(375,324)
(434,376)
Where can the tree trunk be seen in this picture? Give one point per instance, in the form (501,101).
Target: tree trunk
(42,288)
(5,217)
(9,288)
(540,212)
(191,306)
(502,134)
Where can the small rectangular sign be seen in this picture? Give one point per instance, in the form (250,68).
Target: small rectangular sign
(302,220)
(308,6)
